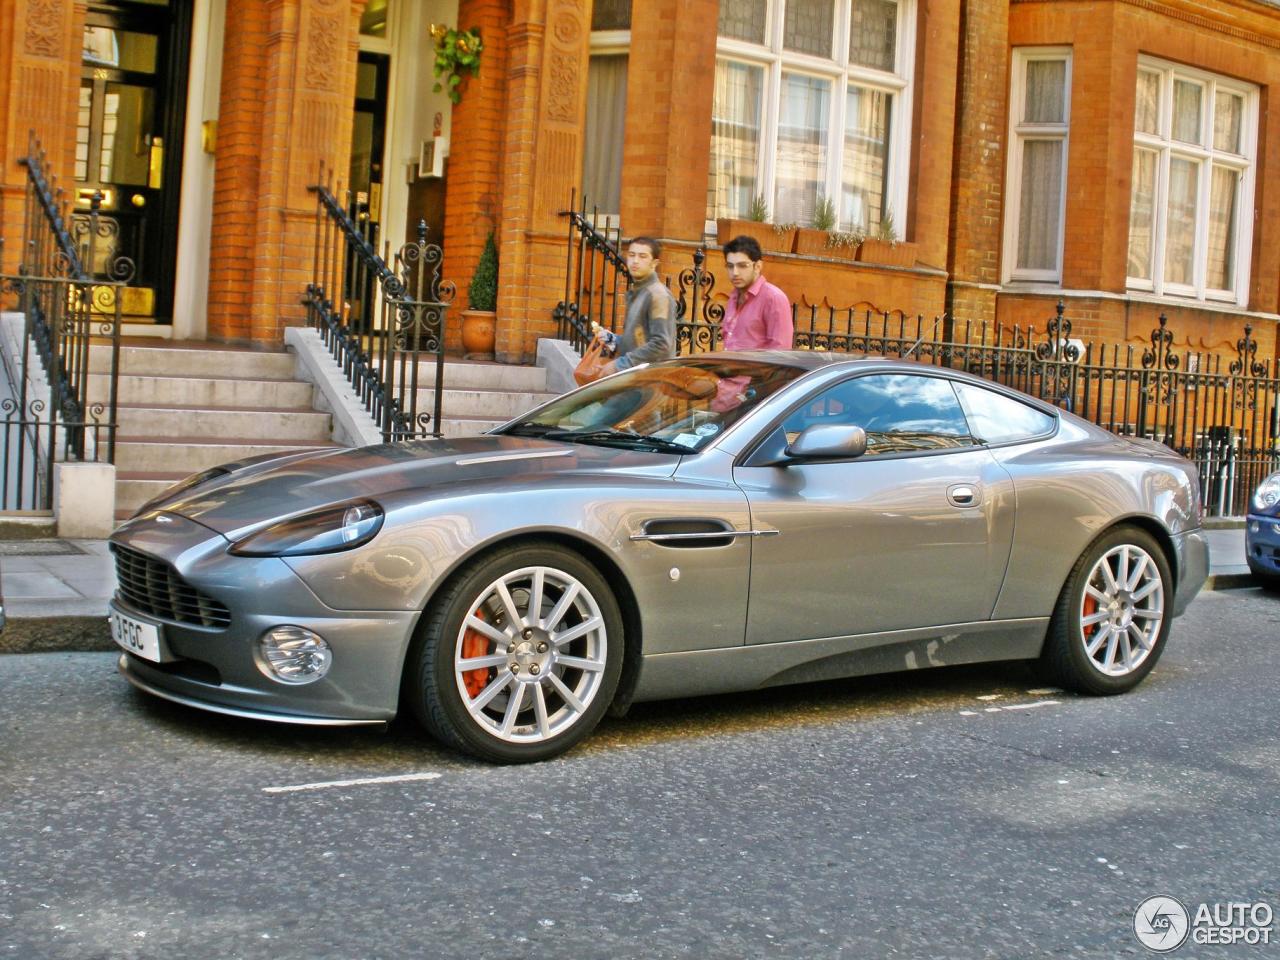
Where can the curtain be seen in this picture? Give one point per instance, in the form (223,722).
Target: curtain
(1186,111)
(1039,206)
(606,116)
(1142,213)
(803,122)
(1180,232)
(1223,189)
(735,139)
(1146,109)
(1228,113)
(866,158)
(1046,91)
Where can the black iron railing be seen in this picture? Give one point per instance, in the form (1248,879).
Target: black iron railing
(596,276)
(61,396)
(380,321)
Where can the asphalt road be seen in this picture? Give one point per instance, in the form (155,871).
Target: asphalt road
(956,813)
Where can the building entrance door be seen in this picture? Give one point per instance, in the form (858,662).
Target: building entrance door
(133,83)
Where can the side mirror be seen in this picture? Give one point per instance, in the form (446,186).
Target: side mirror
(829,442)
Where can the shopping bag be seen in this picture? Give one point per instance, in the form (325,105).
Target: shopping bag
(591,365)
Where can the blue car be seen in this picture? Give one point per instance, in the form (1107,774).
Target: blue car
(1262,534)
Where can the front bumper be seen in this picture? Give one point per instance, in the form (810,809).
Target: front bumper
(1262,544)
(1192,551)
(214,668)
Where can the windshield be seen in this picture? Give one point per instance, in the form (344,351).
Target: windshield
(678,406)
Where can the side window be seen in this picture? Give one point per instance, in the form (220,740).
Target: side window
(900,412)
(996,418)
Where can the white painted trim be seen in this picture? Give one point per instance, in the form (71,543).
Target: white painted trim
(1207,156)
(1019,134)
(195,207)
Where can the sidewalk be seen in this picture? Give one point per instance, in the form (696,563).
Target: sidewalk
(56,591)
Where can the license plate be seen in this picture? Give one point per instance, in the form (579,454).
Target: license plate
(141,639)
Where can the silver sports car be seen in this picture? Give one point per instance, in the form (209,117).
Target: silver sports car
(716,523)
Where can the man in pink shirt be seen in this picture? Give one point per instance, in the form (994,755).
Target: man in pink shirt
(758,315)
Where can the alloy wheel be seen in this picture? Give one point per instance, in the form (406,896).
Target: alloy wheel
(1121,610)
(530,655)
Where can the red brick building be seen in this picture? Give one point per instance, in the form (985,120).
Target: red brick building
(1119,154)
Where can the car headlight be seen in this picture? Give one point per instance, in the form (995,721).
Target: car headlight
(331,530)
(1268,493)
(182,486)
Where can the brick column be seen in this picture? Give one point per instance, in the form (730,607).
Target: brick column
(979,160)
(667,146)
(288,83)
(933,129)
(546,104)
(40,47)
(473,201)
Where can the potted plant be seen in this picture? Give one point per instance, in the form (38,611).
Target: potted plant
(772,238)
(478,320)
(844,245)
(814,241)
(457,53)
(884,247)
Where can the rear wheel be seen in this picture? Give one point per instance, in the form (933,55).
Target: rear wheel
(1113,616)
(520,655)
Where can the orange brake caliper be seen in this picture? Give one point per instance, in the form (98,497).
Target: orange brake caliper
(1088,609)
(475,644)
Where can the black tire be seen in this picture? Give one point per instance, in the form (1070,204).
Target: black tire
(1067,659)
(547,721)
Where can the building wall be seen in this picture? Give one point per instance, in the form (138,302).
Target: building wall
(1238,39)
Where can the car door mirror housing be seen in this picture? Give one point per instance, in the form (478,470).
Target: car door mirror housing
(829,442)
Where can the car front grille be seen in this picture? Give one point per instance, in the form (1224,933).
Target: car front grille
(155,588)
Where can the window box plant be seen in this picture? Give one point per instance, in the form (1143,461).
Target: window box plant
(885,248)
(773,238)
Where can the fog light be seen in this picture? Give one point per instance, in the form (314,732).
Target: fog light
(293,655)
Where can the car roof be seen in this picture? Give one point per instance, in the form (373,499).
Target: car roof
(803,359)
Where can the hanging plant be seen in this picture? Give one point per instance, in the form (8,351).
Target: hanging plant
(457,52)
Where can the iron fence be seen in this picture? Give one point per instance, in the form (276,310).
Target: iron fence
(380,321)
(61,396)
(1221,412)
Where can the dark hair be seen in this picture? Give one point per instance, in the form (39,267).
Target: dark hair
(744,244)
(654,246)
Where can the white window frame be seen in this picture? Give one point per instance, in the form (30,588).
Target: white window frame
(1019,133)
(1207,156)
(775,60)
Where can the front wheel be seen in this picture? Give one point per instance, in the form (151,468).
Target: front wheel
(520,655)
(1113,616)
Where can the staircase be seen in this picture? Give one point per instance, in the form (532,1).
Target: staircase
(186,407)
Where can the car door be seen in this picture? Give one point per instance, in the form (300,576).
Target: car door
(916,532)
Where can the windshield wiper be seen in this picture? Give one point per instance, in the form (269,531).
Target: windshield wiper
(619,437)
(530,430)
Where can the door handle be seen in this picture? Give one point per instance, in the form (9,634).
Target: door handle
(964,494)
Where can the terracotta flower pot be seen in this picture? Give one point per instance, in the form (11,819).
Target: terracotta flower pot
(896,254)
(478,332)
(812,243)
(771,240)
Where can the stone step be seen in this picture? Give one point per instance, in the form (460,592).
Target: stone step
(453,427)
(484,376)
(185,391)
(193,454)
(196,362)
(224,422)
(491,404)
(134,488)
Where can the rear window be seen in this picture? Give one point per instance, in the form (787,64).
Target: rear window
(995,418)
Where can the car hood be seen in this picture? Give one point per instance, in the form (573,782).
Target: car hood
(266,490)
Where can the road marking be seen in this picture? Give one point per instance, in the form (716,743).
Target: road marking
(363,781)
(1011,706)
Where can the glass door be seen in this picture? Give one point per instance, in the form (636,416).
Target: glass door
(129,144)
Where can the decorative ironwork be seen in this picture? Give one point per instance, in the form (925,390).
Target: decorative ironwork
(67,290)
(381,321)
